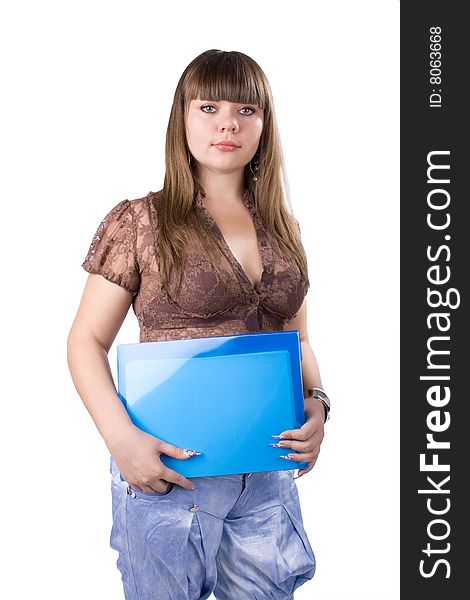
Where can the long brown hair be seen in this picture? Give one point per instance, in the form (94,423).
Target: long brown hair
(235,77)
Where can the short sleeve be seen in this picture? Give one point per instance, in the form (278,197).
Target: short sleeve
(112,251)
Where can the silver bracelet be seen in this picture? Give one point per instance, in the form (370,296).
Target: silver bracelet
(321,395)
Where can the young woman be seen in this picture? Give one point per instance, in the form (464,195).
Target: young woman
(215,252)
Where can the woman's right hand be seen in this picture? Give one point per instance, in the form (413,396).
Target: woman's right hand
(137,456)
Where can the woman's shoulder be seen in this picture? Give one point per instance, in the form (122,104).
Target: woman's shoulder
(140,210)
(130,219)
(139,204)
(145,206)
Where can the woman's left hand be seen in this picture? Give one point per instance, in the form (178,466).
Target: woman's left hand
(306,440)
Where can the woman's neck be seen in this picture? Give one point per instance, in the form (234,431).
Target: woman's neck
(222,188)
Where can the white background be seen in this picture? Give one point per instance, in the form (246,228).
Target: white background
(87,89)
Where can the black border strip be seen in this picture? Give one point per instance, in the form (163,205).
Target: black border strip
(435,357)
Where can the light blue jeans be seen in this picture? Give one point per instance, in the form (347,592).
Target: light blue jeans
(240,537)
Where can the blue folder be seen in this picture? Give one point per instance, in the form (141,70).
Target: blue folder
(224,396)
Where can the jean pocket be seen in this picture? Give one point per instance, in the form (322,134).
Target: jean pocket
(135,493)
(295,559)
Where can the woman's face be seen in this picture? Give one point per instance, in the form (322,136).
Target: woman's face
(210,122)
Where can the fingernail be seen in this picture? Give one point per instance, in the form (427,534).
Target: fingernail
(193,487)
(286,456)
(277,445)
(192,453)
(278,437)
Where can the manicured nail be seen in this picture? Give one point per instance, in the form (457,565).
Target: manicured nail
(277,445)
(278,437)
(192,453)
(287,457)
(193,487)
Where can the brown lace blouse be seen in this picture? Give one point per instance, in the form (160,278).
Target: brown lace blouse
(215,299)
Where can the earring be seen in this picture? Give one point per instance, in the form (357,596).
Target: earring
(256,167)
(189,159)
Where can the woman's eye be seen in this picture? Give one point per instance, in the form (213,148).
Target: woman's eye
(209,108)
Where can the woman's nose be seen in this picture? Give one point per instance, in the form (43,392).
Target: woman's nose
(229,124)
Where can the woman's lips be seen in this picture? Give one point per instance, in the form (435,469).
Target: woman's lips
(226,147)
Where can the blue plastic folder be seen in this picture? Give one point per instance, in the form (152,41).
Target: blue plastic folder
(224,396)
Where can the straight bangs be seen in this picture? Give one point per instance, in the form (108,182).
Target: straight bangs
(231,76)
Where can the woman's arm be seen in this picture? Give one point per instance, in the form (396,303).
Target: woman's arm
(102,310)
(307,440)
(310,372)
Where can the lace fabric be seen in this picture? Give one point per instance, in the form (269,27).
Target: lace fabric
(216,298)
